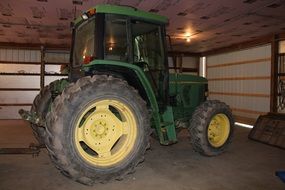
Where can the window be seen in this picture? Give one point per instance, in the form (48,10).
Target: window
(84,42)
(147,45)
(116,46)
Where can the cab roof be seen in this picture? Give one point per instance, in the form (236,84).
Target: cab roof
(128,11)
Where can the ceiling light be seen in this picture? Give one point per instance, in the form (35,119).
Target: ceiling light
(188,39)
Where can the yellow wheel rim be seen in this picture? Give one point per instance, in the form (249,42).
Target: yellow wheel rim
(105,132)
(218,130)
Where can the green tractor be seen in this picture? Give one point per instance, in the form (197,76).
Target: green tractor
(96,124)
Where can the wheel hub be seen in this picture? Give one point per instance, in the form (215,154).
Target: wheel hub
(218,130)
(100,128)
(109,134)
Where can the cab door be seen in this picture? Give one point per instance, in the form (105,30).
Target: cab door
(149,53)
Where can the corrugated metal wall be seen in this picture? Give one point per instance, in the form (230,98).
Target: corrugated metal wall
(20,68)
(54,58)
(242,80)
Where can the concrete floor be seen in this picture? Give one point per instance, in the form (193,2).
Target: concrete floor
(246,165)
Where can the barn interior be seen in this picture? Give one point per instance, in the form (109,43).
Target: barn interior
(238,46)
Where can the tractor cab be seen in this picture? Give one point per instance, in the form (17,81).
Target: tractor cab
(126,35)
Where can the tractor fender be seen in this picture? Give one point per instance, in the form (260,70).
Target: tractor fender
(134,75)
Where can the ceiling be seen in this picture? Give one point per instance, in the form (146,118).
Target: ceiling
(210,24)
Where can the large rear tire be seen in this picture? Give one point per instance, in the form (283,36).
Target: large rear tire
(211,128)
(40,107)
(97,130)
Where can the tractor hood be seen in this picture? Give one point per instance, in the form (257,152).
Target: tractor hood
(186,79)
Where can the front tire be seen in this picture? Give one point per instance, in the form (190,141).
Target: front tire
(97,130)
(211,128)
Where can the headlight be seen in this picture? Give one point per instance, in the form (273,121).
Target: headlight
(84,16)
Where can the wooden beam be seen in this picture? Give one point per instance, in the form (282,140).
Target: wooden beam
(50,63)
(183,53)
(20,63)
(19,89)
(258,95)
(180,64)
(36,46)
(274,72)
(21,74)
(241,62)
(42,79)
(190,70)
(16,104)
(248,111)
(240,78)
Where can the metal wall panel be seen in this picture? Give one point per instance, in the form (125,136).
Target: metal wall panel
(236,86)
(20,68)
(17,96)
(252,104)
(242,55)
(52,68)
(262,68)
(20,55)
(19,81)
(242,80)
(9,112)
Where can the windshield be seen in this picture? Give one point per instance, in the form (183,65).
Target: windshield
(83,49)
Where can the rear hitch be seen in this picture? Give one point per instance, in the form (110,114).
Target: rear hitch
(30,116)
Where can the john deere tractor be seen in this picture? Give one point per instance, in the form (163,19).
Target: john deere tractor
(97,123)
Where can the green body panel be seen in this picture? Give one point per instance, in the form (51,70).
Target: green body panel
(60,85)
(158,118)
(169,129)
(57,87)
(187,92)
(128,11)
